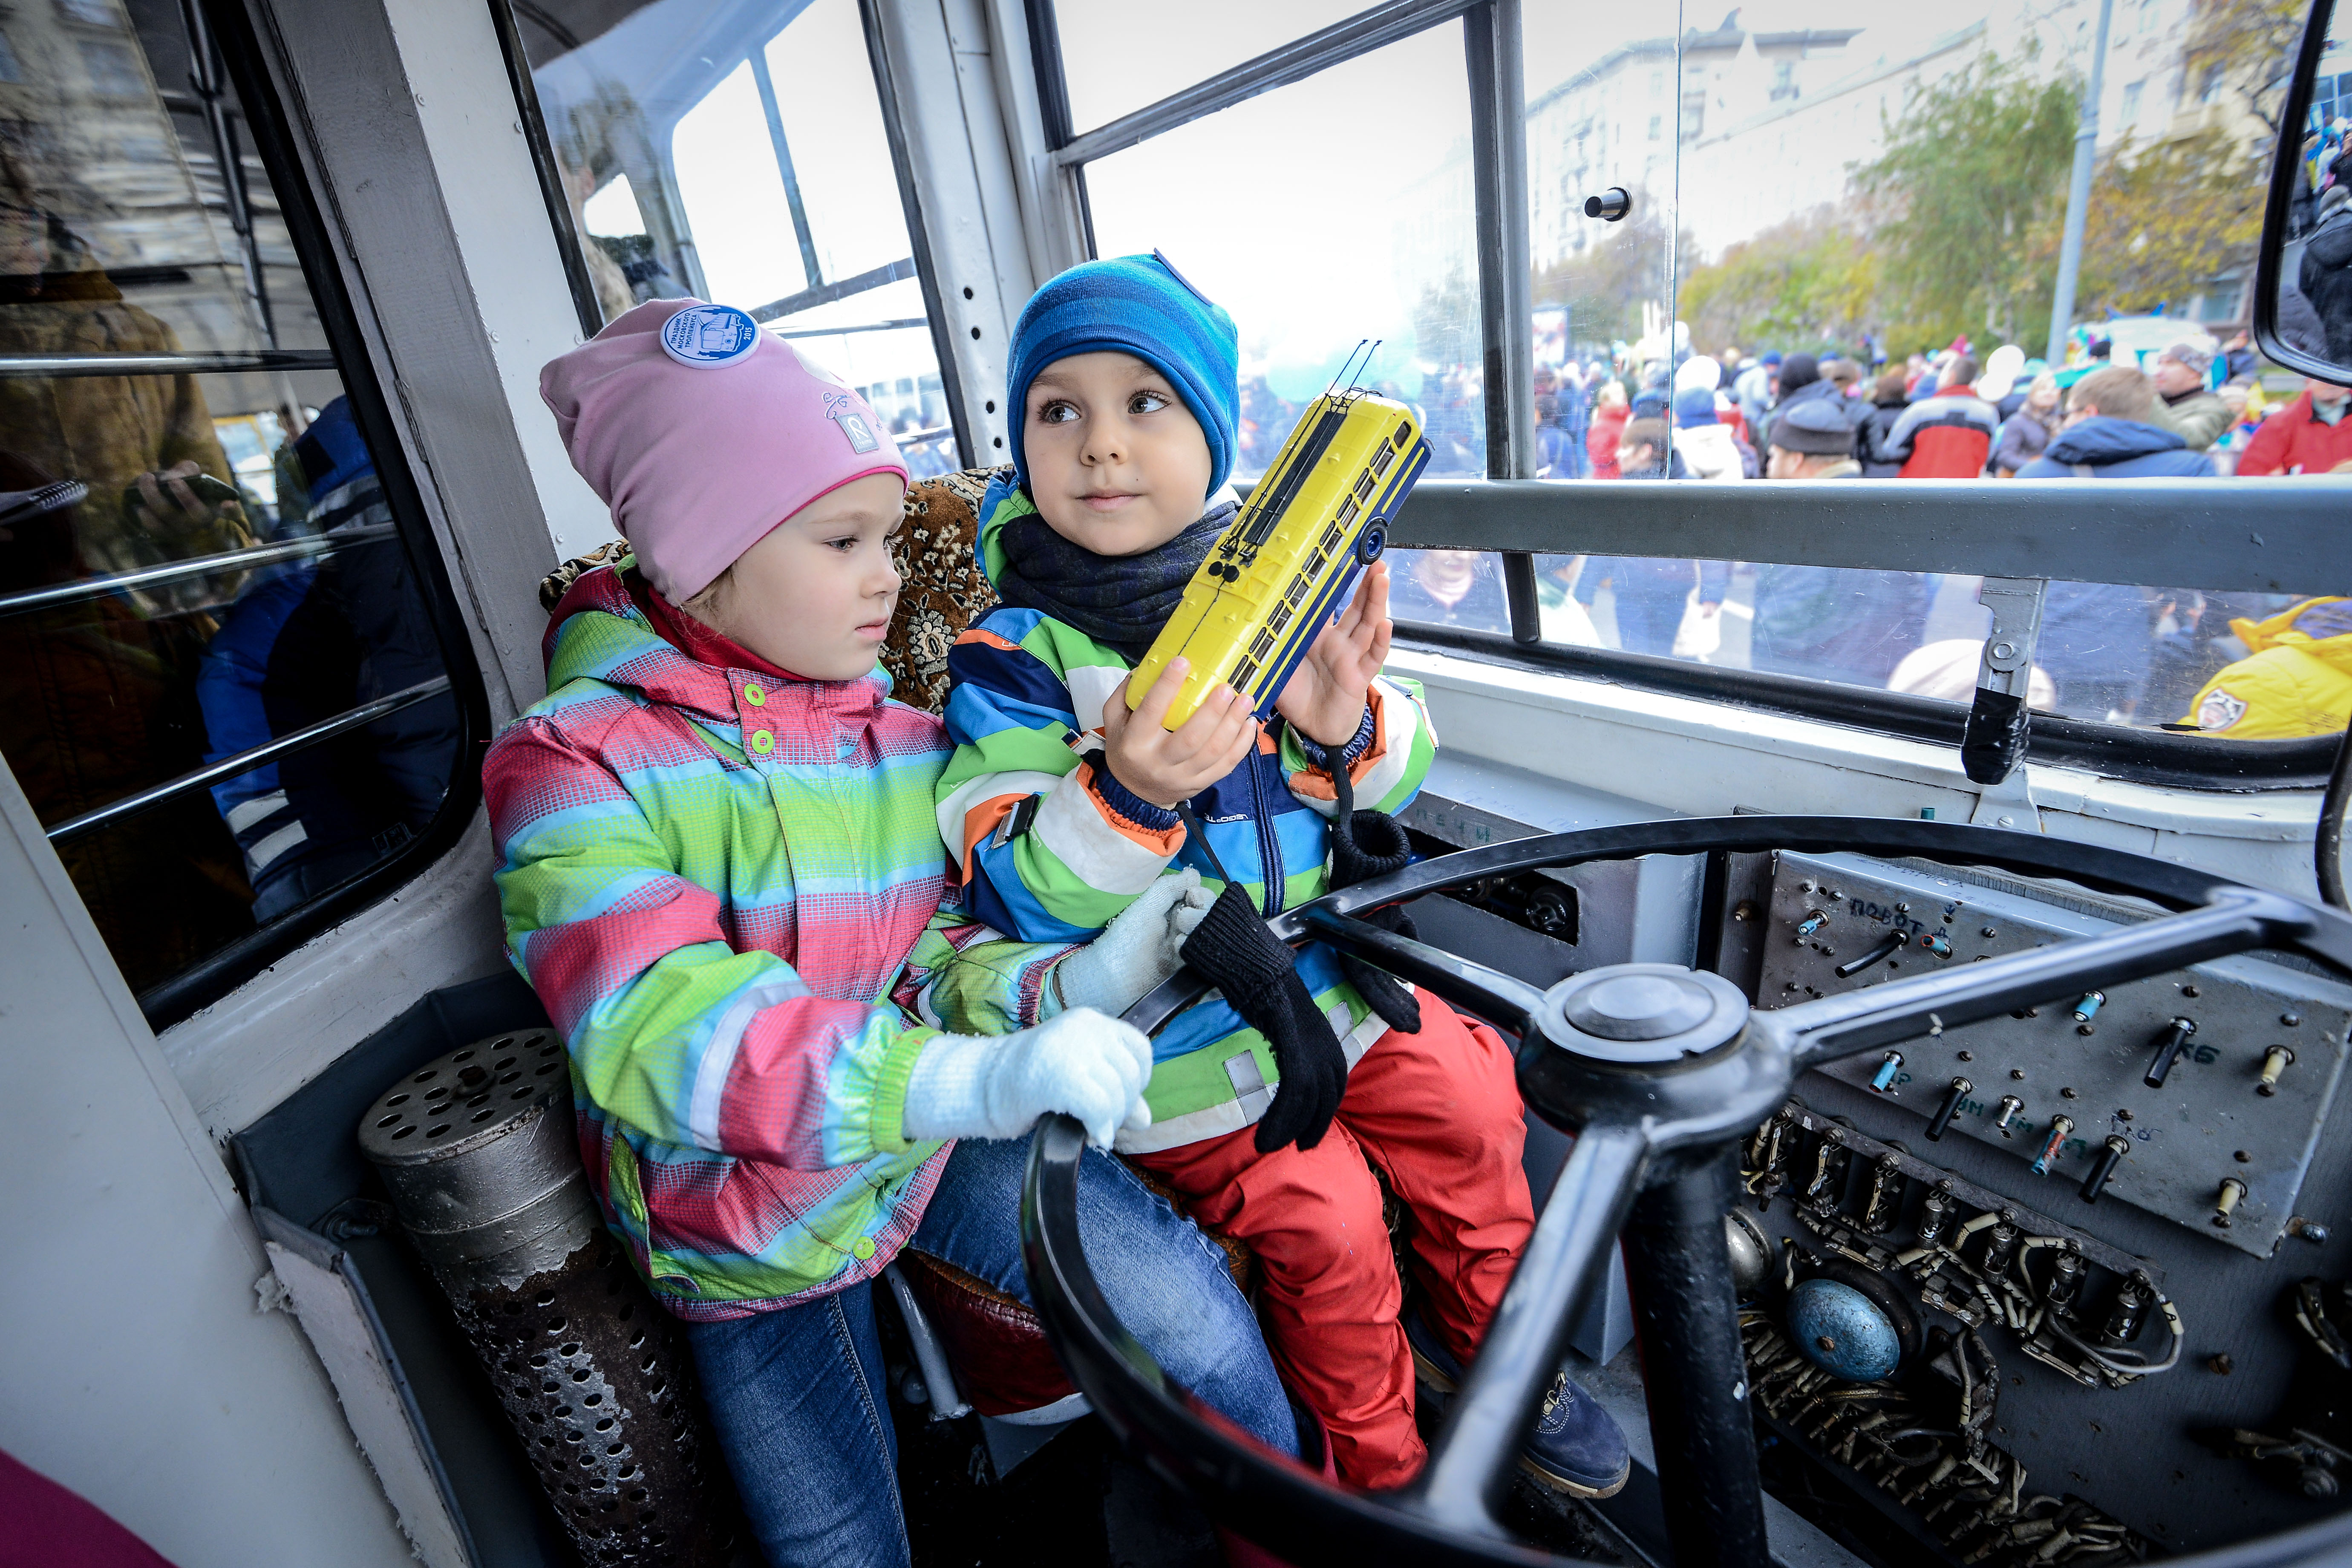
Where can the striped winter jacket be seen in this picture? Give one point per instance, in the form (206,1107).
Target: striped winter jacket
(1052,847)
(727,892)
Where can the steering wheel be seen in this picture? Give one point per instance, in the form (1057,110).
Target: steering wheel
(1661,1074)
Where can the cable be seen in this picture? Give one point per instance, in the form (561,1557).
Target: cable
(2327,844)
(2140,1368)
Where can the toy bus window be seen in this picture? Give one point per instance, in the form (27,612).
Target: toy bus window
(225,692)
(1279,619)
(1381,460)
(742,159)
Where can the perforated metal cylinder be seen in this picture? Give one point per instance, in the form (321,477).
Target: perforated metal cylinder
(479,1151)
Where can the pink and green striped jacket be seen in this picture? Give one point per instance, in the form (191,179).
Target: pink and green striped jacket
(727,892)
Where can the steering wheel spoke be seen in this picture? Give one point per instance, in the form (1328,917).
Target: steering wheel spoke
(2233,920)
(1470,1467)
(1504,1002)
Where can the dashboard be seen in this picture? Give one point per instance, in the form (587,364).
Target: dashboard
(2053,1287)
(2065,1286)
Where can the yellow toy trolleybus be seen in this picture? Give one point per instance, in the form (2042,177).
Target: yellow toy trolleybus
(1285,567)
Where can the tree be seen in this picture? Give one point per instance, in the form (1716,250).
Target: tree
(2242,52)
(1807,283)
(2163,220)
(1977,164)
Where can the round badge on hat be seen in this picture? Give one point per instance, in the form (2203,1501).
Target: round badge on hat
(709,337)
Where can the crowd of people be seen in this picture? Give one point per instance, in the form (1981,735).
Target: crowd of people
(2245,664)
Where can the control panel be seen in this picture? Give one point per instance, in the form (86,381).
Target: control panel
(2197,1094)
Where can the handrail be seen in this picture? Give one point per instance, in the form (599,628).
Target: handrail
(244,762)
(22,366)
(841,289)
(2260,535)
(896,325)
(87,588)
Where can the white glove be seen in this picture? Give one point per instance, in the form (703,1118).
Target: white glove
(996,1086)
(1140,947)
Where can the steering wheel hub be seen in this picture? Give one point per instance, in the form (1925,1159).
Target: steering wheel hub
(1642,1015)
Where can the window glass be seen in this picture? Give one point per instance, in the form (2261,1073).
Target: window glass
(1120,55)
(741,156)
(1602,291)
(1395,242)
(194,563)
(1853,316)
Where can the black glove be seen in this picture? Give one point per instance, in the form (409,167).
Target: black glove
(1364,845)
(1233,947)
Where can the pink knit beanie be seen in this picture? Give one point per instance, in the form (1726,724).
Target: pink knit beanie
(699,462)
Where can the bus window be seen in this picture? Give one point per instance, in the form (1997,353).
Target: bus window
(1121,55)
(1386,225)
(225,693)
(749,166)
(1832,222)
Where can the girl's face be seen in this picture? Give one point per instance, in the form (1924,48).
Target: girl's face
(814,595)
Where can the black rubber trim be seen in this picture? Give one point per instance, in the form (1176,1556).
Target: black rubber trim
(2137,756)
(2284,155)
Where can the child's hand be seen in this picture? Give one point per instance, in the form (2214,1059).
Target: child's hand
(1164,766)
(1325,698)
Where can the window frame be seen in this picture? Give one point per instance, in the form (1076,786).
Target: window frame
(267,127)
(1977,528)
(920,263)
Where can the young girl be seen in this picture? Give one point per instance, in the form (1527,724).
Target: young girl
(719,875)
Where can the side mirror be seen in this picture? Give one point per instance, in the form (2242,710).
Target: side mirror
(2302,280)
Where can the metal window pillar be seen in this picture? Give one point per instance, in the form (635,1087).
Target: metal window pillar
(775,115)
(1498,156)
(205,78)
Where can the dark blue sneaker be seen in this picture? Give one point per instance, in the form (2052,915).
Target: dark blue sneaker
(1576,1446)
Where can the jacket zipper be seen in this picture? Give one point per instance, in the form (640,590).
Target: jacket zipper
(1269,849)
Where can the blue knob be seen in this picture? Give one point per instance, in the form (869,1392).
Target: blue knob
(1842,1332)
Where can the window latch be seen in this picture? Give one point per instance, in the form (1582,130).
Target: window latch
(1993,744)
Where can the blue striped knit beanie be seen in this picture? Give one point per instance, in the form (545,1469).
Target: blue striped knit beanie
(1137,305)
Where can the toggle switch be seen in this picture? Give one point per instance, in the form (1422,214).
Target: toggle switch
(2088,1008)
(1953,1098)
(1887,949)
(2010,1106)
(2110,1154)
(2225,1202)
(2059,1127)
(2167,1051)
(1883,1080)
(1815,920)
(1937,943)
(2274,1061)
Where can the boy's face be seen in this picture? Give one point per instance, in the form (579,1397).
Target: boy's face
(814,595)
(1117,463)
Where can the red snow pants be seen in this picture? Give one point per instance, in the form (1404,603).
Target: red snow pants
(1439,1113)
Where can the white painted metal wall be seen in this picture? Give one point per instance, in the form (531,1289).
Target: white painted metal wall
(139,1370)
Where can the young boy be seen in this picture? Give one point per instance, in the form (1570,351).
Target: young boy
(718,875)
(1123,395)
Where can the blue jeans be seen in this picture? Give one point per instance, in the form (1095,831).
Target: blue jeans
(798,1395)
